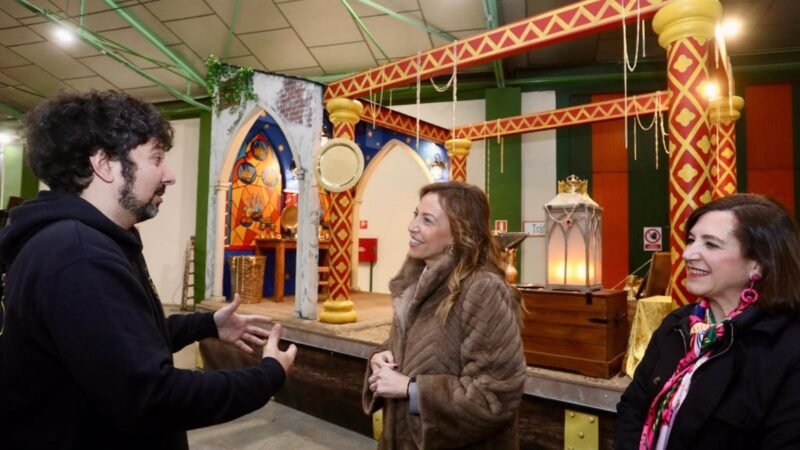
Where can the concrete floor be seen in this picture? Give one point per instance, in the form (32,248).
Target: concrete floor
(274,426)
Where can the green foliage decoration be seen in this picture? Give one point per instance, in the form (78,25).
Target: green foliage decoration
(229,86)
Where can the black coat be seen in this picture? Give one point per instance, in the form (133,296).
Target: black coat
(746,397)
(86,354)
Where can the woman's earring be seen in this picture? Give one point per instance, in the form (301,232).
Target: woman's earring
(749,294)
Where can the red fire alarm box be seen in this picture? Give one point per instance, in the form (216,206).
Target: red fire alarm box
(367,250)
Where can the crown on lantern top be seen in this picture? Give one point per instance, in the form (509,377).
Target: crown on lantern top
(573,184)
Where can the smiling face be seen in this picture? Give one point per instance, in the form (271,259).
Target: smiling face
(715,266)
(146,177)
(429,230)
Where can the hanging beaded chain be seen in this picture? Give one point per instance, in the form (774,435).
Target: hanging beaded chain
(566,220)
(419,74)
(3,304)
(640,30)
(453,81)
(657,123)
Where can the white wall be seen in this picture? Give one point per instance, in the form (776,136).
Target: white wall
(387,205)
(538,183)
(165,236)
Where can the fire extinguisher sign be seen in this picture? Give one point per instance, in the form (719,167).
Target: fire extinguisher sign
(652,239)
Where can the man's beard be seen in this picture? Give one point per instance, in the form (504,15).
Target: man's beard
(141,210)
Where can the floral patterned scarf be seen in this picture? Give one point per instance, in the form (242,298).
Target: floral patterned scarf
(704,338)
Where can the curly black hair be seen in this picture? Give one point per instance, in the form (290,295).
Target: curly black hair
(63,132)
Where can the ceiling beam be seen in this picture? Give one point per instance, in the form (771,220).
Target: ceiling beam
(364,27)
(229,37)
(15,113)
(490,11)
(570,22)
(187,69)
(633,106)
(414,23)
(99,45)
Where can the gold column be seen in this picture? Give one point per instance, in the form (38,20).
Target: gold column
(458,150)
(685,28)
(723,113)
(338,308)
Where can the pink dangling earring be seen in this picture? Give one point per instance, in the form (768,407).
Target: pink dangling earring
(749,294)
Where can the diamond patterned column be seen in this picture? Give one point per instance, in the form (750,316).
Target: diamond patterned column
(685,28)
(338,308)
(722,114)
(458,150)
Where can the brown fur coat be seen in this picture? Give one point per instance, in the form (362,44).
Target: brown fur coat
(470,372)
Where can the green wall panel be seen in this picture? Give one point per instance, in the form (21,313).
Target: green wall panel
(503,160)
(574,144)
(648,193)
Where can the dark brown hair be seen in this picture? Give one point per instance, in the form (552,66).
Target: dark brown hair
(769,236)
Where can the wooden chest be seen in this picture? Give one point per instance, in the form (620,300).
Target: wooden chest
(584,332)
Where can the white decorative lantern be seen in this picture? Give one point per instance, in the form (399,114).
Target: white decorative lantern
(572,238)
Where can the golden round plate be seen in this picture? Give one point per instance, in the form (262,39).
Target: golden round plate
(339,165)
(289,218)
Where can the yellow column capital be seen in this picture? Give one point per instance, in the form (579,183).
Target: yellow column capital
(725,109)
(458,147)
(681,19)
(344,110)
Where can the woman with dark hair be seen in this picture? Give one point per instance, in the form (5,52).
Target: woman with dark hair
(451,374)
(725,372)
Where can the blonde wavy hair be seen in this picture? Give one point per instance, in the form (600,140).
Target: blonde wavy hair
(467,209)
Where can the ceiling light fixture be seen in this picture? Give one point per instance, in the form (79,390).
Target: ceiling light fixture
(711,90)
(63,35)
(731,27)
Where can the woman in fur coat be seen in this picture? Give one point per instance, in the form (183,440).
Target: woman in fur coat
(451,374)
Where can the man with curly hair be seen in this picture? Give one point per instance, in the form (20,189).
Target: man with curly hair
(86,351)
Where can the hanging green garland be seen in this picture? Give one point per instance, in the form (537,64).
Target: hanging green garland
(229,86)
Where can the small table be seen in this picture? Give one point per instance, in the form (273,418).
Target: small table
(650,312)
(280,246)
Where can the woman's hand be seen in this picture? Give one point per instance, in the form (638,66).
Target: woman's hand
(382,359)
(389,383)
(239,329)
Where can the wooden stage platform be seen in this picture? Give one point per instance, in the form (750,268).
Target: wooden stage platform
(331,362)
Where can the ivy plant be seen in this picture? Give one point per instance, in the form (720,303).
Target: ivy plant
(229,86)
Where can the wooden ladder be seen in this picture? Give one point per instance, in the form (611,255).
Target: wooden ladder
(187,300)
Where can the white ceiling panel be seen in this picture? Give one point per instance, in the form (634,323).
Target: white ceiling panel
(321,22)
(397,38)
(76,48)
(206,36)
(115,73)
(363,10)
(52,59)
(177,9)
(7,80)
(188,56)
(304,73)
(15,9)
(6,20)
(153,24)
(460,35)
(18,35)
(136,42)
(37,79)
(246,61)
(102,21)
(10,59)
(19,99)
(254,15)
(353,57)
(89,83)
(279,50)
(73,8)
(449,16)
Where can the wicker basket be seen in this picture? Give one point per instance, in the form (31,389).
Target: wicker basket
(247,277)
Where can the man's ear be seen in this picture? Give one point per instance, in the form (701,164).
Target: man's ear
(101,165)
